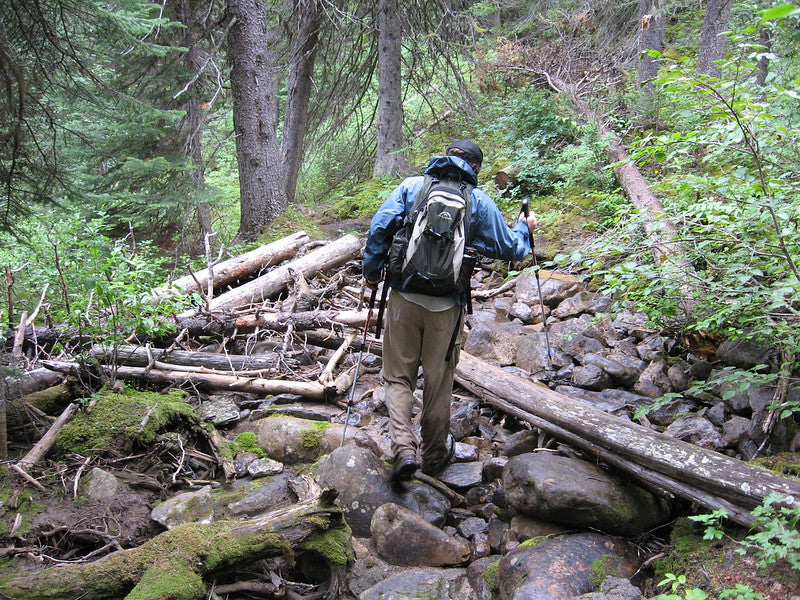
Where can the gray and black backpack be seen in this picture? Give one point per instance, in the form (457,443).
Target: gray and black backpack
(428,250)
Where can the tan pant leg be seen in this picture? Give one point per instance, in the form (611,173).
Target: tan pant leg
(402,348)
(438,380)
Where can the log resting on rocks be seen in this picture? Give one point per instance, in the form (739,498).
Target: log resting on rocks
(221,325)
(718,479)
(271,284)
(174,564)
(308,389)
(240,266)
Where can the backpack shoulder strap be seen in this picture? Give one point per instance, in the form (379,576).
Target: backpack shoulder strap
(421,198)
(467,191)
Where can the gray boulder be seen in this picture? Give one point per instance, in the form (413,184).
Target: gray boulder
(613,588)
(553,291)
(291,440)
(745,352)
(560,568)
(413,584)
(579,494)
(695,430)
(187,507)
(362,482)
(402,537)
(262,495)
(654,381)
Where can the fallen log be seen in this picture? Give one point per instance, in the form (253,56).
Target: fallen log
(240,266)
(43,446)
(271,284)
(179,564)
(140,356)
(254,385)
(637,447)
(216,324)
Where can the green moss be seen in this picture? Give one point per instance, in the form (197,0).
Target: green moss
(783,463)
(313,435)
(491,576)
(168,579)
(605,566)
(333,544)
(687,547)
(247,441)
(532,542)
(24,506)
(121,415)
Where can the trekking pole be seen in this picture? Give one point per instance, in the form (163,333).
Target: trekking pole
(358,362)
(381,309)
(526,212)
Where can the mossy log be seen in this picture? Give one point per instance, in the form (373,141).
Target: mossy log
(176,564)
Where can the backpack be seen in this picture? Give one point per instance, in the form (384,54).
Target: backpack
(427,252)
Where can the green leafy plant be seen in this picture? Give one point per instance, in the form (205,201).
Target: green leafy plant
(679,589)
(776,536)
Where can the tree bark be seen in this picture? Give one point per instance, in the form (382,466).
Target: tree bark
(652,28)
(254,77)
(210,381)
(712,42)
(718,476)
(241,266)
(389,160)
(191,14)
(254,292)
(175,564)
(661,232)
(138,356)
(301,78)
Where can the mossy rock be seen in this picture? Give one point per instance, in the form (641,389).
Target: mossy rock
(118,420)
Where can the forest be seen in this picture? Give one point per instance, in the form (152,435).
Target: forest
(657,140)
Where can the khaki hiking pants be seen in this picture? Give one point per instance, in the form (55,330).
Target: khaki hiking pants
(417,336)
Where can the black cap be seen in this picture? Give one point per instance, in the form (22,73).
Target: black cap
(470,151)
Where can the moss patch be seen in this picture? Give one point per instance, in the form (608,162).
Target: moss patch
(491,576)
(247,441)
(120,416)
(783,463)
(333,544)
(313,435)
(534,541)
(605,566)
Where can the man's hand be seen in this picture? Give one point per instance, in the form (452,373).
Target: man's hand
(371,285)
(530,220)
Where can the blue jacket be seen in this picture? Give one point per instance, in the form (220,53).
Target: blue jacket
(490,235)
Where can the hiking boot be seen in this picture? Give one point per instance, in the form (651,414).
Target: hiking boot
(404,468)
(437,468)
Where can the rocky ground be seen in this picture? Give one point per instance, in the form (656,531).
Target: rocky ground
(518,515)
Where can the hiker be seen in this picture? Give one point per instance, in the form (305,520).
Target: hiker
(425,328)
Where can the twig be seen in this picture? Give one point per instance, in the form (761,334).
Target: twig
(455,498)
(41,447)
(327,372)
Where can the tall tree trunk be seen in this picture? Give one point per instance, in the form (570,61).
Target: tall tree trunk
(255,117)
(652,28)
(762,70)
(300,84)
(191,16)
(712,42)
(389,159)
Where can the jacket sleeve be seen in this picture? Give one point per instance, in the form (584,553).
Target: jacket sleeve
(384,225)
(491,236)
